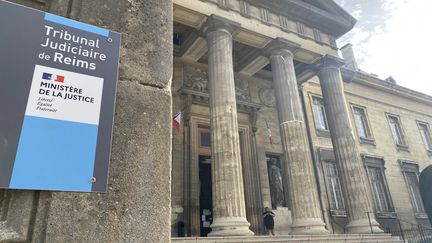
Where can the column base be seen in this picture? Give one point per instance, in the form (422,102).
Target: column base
(362,226)
(311,226)
(230,226)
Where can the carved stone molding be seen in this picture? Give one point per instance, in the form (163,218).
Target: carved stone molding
(267,96)
(195,79)
(242,90)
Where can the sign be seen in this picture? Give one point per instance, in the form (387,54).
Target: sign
(58,80)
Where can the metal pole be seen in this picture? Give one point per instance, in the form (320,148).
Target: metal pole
(370,225)
(331,222)
(400,228)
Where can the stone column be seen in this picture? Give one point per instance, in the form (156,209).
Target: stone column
(352,174)
(229,212)
(302,185)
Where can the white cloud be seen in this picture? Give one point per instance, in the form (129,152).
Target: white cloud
(403,49)
(357,13)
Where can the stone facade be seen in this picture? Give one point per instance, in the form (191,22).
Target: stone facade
(380,98)
(244,74)
(261,114)
(378,102)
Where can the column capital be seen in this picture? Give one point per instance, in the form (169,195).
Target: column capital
(215,23)
(328,61)
(281,46)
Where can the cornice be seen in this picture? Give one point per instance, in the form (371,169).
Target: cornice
(376,83)
(337,23)
(194,12)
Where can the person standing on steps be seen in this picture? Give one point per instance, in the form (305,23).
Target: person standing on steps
(269,221)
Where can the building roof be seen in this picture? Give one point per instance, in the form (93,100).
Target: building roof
(376,83)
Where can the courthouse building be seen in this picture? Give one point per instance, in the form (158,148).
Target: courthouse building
(264,95)
(272,114)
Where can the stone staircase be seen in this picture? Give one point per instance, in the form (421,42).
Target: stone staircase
(336,238)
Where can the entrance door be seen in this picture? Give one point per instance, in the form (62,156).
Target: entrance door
(200,208)
(206,198)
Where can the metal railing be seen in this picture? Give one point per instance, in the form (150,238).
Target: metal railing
(417,234)
(413,233)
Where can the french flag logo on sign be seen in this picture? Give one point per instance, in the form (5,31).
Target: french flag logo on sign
(50,76)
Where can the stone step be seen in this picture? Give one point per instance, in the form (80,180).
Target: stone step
(336,238)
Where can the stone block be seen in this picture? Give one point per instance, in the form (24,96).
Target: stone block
(283,221)
(146,28)
(137,205)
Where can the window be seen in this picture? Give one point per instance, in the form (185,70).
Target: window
(333,186)
(410,171)
(379,190)
(378,184)
(413,189)
(425,135)
(319,113)
(361,122)
(396,131)
(205,139)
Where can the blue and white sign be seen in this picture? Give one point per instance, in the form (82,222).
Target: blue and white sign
(57,93)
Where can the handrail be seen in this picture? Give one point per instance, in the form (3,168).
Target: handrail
(421,232)
(403,221)
(414,224)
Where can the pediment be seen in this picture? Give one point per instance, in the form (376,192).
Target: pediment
(324,15)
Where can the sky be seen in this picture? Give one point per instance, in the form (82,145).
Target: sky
(392,38)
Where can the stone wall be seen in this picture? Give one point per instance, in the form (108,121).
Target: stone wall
(137,206)
(379,103)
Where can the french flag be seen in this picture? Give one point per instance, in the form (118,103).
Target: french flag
(49,76)
(177,121)
(269,133)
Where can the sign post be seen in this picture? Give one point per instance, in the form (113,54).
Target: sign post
(58,80)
